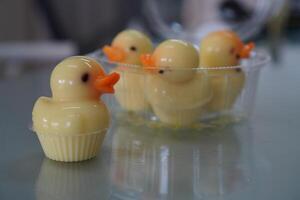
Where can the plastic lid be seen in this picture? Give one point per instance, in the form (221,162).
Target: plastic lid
(192,19)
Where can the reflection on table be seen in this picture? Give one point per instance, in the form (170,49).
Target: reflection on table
(156,164)
(71,181)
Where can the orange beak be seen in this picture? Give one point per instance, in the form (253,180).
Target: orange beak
(246,50)
(104,83)
(114,54)
(147,61)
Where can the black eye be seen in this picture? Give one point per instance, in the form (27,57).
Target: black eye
(133,48)
(85,77)
(161,71)
(232,50)
(238,70)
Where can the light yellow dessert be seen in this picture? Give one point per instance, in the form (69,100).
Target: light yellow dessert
(72,124)
(176,91)
(223,49)
(127,48)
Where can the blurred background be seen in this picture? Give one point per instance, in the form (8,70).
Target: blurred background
(37,33)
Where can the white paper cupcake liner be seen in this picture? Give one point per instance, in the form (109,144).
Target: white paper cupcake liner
(71,148)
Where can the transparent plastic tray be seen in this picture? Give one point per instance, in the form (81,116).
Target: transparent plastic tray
(168,106)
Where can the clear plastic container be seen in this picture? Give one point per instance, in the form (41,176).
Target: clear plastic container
(158,105)
(221,95)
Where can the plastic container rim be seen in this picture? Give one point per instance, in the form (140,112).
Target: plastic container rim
(258,59)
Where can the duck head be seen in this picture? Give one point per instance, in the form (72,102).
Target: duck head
(127,47)
(79,77)
(223,48)
(172,60)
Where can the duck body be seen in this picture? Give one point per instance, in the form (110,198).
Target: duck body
(126,48)
(130,90)
(176,90)
(226,87)
(71,117)
(224,49)
(178,104)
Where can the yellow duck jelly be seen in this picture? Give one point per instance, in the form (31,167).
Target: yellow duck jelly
(176,91)
(126,48)
(71,124)
(219,50)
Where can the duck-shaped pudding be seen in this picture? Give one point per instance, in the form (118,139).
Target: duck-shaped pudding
(224,49)
(72,123)
(127,48)
(176,90)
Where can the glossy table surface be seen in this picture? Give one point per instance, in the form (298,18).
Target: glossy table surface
(257,159)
